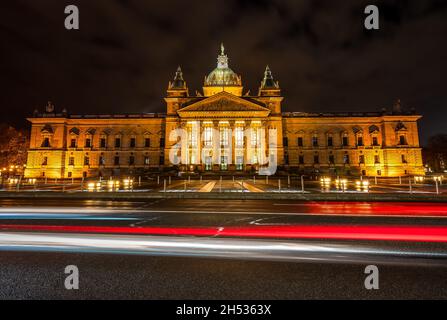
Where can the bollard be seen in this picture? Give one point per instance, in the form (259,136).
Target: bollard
(189,179)
(170,180)
(158,180)
(437,187)
(164,186)
(288,180)
(375,180)
(279,185)
(400,180)
(185,185)
(302,184)
(139,181)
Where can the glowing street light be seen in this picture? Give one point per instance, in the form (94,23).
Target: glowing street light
(326,183)
(341,184)
(419,179)
(362,185)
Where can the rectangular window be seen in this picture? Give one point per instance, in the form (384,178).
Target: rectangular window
(346,159)
(330,142)
(345,141)
(300,142)
(45,161)
(286,159)
(301,159)
(71,161)
(315,141)
(331,159)
(254,138)
(224,137)
(377,159)
(402,140)
(117,142)
(375,141)
(117,161)
(86,161)
(103,143)
(147,161)
(133,142)
(131,160)
(208,137)
(239,163)
(46,143)
(70,174)
(102,161)
(404,159)
(239,137)
(316,159)
(360,141)
(73,143)
(88,143)
(362,159)
(147,143)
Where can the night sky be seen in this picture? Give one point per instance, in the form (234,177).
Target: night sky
(125,52)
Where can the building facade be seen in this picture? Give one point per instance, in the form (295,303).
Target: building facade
(221,130)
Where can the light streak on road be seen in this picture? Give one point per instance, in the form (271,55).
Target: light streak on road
(217,248)
(436,234)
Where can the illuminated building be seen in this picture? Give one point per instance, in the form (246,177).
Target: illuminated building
(224,130)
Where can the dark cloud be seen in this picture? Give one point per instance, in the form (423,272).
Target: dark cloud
(127,51)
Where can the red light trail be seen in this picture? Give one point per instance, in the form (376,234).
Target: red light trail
(334,232)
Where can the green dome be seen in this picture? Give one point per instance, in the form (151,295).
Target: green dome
(222,75)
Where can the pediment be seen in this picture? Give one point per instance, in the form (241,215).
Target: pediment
(224,104)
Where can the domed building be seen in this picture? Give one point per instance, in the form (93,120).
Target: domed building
(222,130)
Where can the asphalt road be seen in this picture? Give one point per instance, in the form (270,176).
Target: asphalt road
(30,274)
(41,276)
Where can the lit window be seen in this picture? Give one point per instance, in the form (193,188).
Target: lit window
(254,138)
(224,137)
(208,136)
(239,137)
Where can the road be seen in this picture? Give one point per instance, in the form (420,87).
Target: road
(208,249)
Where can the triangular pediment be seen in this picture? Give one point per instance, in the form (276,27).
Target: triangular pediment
(224,104)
